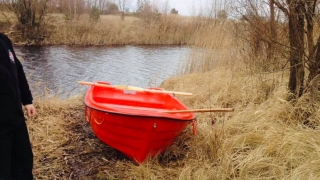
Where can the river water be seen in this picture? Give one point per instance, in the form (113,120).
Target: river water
(57,69)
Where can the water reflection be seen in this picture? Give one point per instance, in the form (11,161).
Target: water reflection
(59,68)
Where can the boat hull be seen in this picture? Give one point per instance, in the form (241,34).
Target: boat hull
(138,130)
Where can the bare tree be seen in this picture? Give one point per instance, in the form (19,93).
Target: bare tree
(111,8)
(302,19)
(273,33)
(296,39)
(218,7)
(102,4)
(72,8)
(30,14)
(260,32)
(303,45)
(164,8)
(123,6)
(141,4)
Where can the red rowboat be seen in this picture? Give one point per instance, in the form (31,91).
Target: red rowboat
(134,121)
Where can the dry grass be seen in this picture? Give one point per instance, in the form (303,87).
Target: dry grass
(64,145)
(262,139)
(214,45)
(266,137)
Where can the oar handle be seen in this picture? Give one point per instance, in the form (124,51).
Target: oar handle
(200,110)
(168,92)
(133,88)
(95,84)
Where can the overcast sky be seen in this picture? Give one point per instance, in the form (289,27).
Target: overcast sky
(184,7)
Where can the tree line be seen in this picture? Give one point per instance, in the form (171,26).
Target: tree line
(30,13)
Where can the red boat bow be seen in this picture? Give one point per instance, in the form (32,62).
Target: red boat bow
(134,122)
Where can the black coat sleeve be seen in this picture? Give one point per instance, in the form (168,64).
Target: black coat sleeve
(26,96)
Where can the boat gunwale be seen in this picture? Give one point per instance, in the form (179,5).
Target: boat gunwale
(167,118)
(193,118)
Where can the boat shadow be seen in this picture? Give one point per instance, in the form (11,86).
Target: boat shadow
(91,156)
(87,156)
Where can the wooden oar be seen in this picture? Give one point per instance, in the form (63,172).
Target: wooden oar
(95,84)
(133,88)
(200,110)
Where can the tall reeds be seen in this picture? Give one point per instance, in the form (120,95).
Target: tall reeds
(211,40)
(111,30)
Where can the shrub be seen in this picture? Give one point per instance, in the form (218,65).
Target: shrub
(95,14)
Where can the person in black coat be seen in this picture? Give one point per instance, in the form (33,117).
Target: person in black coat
(16,157)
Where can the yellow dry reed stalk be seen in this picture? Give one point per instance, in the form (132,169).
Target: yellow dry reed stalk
(110,30)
